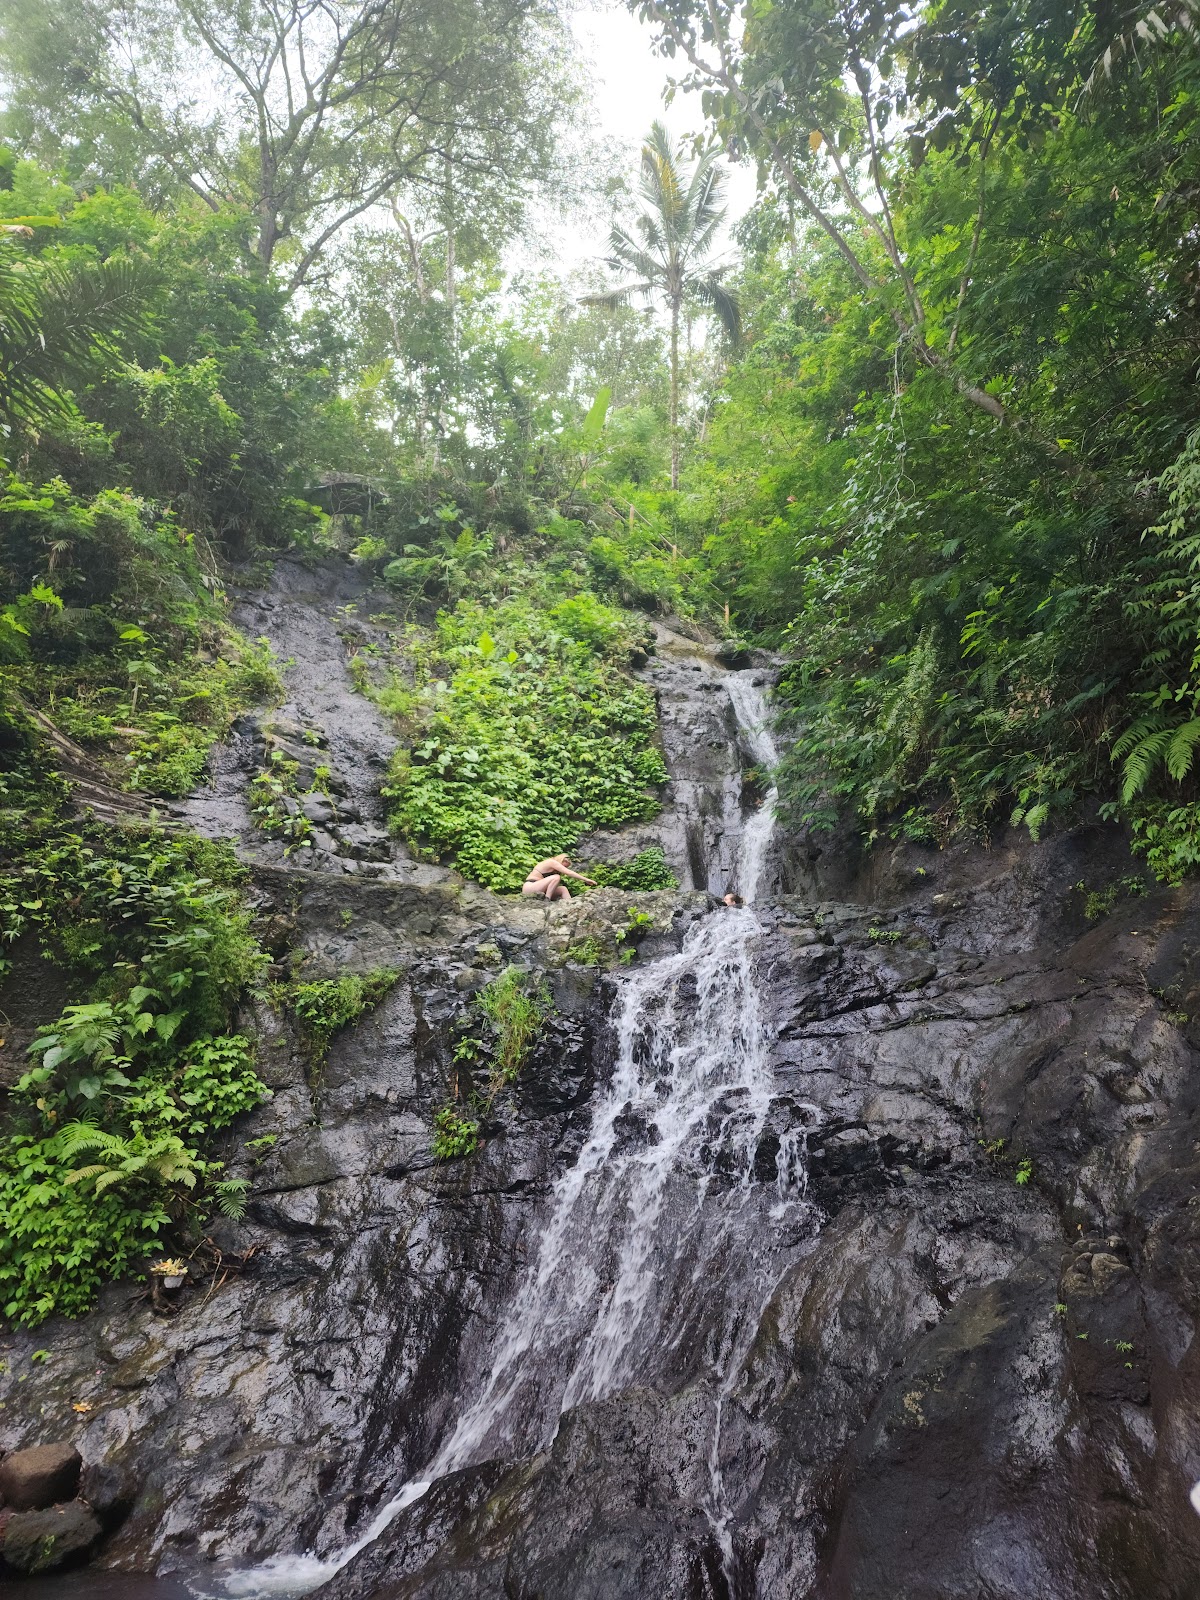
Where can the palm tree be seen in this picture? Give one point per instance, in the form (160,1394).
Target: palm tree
(59,322)
(677,230)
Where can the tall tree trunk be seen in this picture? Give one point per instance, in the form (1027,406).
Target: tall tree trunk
(268,233)
(674,394)
(268,211)
(451,264)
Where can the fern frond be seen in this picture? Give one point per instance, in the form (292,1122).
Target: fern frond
(78,1136)
(80,1173)
(1141,762)
(1156,722)
(1181,751)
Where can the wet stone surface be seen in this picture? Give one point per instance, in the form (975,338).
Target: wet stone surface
(915,1345)
(952,1384)
(315,616)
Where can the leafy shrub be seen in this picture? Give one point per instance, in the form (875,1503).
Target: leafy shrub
(171,760)
(139,1076)
(525,748)
(325,1007)
(589,620)
(1169,838)
(60,1243)
(453,1134)
(647,871)
(589,952)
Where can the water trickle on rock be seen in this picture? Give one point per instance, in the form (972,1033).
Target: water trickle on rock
(668,1233)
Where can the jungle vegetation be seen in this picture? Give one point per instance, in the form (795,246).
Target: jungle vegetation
(928,425)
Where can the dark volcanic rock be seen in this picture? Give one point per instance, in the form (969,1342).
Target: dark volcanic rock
(41,1476)
(613,1511)
(966,1384)
(971,1373)
(108,1489)
(961,1384)
(38,1541)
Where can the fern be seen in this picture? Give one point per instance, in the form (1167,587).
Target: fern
(1162,741)
(231,1196)
(1181,751)
(1143,746)
(165,1159)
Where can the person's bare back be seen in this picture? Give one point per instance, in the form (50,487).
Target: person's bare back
(546,878)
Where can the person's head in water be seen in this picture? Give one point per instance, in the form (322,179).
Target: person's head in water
(732,899)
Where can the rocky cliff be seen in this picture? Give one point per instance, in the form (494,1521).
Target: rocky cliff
(964,1236)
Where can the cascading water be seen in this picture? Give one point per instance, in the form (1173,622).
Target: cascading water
(750,709)
(654,1262)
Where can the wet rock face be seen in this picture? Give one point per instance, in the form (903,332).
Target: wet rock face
(960,1384)
(614,1508)
(313,1357)
(315,617)
(964,1383)
(974,1374)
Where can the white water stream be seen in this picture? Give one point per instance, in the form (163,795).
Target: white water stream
(662,1240)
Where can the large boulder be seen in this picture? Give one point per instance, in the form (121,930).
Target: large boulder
(42,1476)
(36,1541)
(733,653)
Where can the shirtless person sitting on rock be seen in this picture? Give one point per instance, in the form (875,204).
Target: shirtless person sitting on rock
(547,878)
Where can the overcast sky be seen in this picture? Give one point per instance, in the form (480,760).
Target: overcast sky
(628,80)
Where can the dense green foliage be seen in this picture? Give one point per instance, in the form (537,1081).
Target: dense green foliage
(952,475)
(530,735)
(137,1073)
(646,871)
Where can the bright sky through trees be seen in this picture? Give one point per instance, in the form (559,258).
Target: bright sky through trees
(627,81)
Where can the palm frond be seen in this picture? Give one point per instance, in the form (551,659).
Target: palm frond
(613,298)
(660,185)
(710,292)
(58,322)
(626,254)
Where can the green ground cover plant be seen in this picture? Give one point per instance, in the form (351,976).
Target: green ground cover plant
(496,1037)
(104,1152)
(646,871)
(516,1008)
(327,1006)
(526,738)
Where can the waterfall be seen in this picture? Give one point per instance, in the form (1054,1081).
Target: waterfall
(750,708)
(664,1238)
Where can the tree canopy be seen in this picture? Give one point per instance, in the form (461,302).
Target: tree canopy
(301,116)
